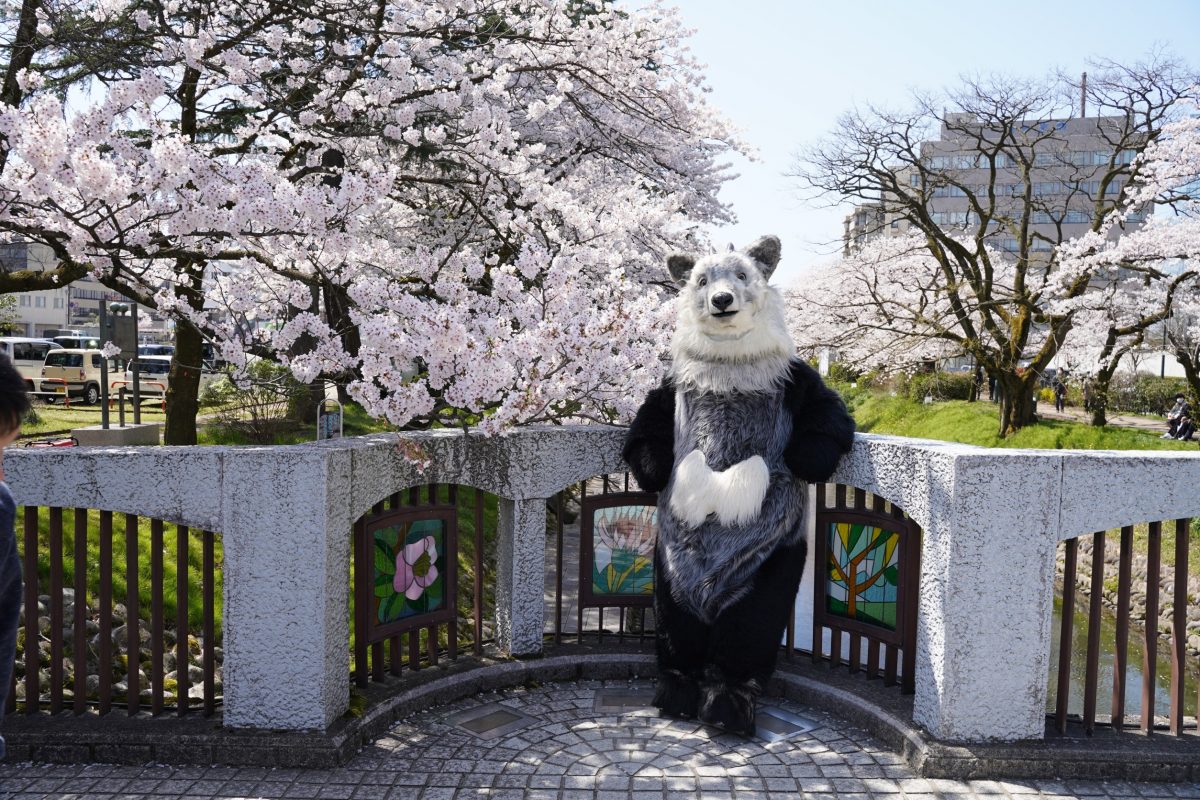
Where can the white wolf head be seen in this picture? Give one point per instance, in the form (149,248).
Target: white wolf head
(730,332)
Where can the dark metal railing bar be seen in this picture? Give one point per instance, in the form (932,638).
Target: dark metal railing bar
(478,598)
(431,640)
(156,616)
(182,577)
(56,610)
(414,650)
(79,646)
(1179,625)
(378,668)
(452,626)
(1064,636)
(578,599)
(361,673)
(558,569)
(209,654)
(1095,606)
(32,651)
(395,655)
(105,648)
(1121,650)
(133,638)
(1150,634)
(873,658)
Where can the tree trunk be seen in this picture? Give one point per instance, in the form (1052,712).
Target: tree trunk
(1016,401)
(1100,394)
(337,314)
(183,385)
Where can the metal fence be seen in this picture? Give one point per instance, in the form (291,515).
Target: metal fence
(1131,602)
(82,649)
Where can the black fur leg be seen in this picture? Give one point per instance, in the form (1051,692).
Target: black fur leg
(730,706)
(677,695)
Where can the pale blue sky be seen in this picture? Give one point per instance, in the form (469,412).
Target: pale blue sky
(784,71)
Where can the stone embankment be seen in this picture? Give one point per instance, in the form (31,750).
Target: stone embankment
(1137,593)
(119,635)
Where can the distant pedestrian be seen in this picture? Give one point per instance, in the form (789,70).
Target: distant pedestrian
(992,388)
(14,403)
(1087,394)
(1060,393)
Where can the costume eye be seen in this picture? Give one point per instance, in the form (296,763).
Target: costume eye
(741,276)
(702,282)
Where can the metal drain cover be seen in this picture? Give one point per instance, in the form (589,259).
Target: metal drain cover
(776,725)
(622,699)
(490,721)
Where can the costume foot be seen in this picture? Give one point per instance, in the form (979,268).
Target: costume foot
(677,695)
(730,707)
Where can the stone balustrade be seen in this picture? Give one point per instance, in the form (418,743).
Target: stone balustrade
(991,518)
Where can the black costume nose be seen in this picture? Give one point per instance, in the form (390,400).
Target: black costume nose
(722,301)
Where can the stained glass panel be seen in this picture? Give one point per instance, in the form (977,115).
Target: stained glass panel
(623,550)
(863,573)
(410,569)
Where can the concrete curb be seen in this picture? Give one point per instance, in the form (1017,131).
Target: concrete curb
(882,712)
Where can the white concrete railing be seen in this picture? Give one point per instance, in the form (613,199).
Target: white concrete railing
(991,518)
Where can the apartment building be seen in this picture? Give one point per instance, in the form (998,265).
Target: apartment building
(1055,168)
(75,306)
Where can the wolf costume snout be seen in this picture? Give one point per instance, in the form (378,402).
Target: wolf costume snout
(728,441)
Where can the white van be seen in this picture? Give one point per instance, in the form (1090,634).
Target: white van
(27,355)
(79,342)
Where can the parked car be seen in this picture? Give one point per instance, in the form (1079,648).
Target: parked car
(78,342)
(80,369)
(28,356)
(153,374)
(156,349)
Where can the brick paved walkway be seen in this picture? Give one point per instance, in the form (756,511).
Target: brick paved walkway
(569,752)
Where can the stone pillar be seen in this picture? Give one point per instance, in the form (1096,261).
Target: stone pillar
(521,576)
(287,569)
(987,591)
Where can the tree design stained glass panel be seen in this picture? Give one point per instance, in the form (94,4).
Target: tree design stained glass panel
(623,550)
(410,569)
(863,573)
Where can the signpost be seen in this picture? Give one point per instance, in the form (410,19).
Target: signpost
(329,420)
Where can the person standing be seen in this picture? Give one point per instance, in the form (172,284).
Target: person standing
(14,404)
(1060,393)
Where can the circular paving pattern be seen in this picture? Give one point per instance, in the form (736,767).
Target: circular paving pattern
(554,744)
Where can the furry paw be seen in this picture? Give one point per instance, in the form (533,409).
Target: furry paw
(677,695)
(744,485)
(692,493)
(730,707)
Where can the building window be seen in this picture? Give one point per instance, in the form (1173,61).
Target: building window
(58,302)
(40,301)
(914,180)
(24,300)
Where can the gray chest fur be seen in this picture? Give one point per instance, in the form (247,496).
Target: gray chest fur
(712,566)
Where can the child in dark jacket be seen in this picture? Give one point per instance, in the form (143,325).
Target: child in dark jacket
(14,403)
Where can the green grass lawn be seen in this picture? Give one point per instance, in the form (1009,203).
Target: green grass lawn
(978,424)
(356,422)
(56,418)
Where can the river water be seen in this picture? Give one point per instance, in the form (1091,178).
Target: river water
(1133,670)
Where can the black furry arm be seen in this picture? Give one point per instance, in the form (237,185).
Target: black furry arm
(822,428)
(650,444)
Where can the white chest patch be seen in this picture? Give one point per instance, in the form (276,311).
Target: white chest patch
(735,495)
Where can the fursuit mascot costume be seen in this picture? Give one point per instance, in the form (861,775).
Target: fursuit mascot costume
(728,441)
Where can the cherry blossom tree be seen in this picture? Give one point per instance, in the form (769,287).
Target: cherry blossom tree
(459,208)
(1004,309)
(1149,276)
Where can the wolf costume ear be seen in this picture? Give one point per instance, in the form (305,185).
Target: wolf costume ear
(766,252)
(680,266)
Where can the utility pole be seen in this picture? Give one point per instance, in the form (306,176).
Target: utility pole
(1083,96)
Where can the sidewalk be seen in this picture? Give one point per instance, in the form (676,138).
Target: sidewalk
(1076,414)
(562,741)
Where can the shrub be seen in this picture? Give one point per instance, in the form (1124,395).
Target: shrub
(256,405)
(1145,394)
(939,385)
